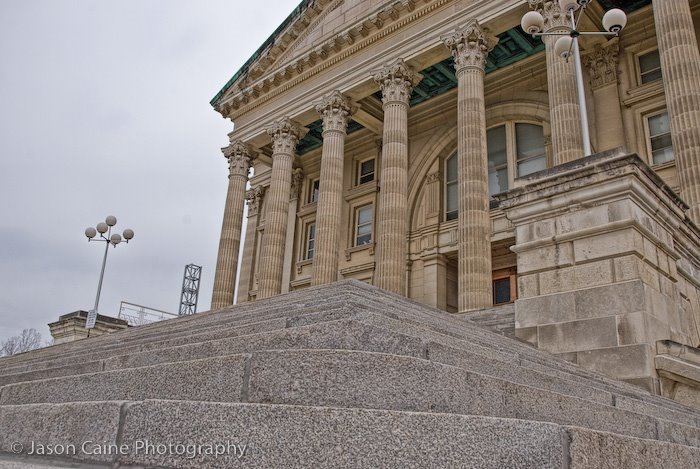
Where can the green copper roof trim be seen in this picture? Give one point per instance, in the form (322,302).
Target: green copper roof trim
(269,41)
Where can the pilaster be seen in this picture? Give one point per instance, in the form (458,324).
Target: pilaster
(470,46)
(297,180)
(254,199)
(238,155)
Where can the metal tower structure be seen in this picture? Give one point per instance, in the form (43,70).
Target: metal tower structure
(190,289)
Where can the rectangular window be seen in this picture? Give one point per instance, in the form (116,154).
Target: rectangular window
(365,172)
(451,189)
(497,159)
(310,240)
(650,67)
(529,142)
(313,191)
(660,138)
(363,225)
(504,286)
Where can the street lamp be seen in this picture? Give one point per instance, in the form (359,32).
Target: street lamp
(567,46)
(113,239)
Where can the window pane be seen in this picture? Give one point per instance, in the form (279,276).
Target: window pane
(498,181)
(529,140)
(452,196)
(650,66)
(366,171)
(532,166)
(659,124)
(662,156)
(451,169)
(364,215)
(496,143)
(363,229)
(313,197)
(501,291)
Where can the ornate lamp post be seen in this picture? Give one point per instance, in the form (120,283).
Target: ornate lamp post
(567,45)
(113,239)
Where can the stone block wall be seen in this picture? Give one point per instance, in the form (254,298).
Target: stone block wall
(599,242)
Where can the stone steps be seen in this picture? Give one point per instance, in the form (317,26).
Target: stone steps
(322,437)
(345,349)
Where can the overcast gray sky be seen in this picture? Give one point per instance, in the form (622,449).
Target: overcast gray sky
(104,109)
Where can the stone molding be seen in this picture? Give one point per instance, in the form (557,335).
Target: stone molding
(602,64)
(470,45)
(335,110)
(554,17)
(239,156)
(285,134)
(253,197)
(396,82)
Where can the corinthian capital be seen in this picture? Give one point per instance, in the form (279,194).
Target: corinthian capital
(396,82)
(602,63)
(335,109)
(239,157)
(285,134)
(553,15)
(470,46)
(254,197)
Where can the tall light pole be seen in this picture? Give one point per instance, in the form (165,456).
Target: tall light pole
(567,46)
(113,239)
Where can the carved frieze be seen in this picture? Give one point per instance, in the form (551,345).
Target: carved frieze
(602,64)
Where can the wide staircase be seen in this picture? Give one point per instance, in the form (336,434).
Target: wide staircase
(343,375)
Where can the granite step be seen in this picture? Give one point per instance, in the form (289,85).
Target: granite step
(272,435)
(346,379)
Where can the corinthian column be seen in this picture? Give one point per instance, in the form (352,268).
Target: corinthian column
(470,46)
(680,66)
(238,155)
(567,142)
(396,82)
(335,111)
(285,136)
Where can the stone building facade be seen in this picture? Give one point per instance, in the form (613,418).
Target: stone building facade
(433,148)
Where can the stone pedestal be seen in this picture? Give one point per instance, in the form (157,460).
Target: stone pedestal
(680,65)
(567,142)
(396,82)
(606,265)
(470,46)
(238,155)
(285,135)
(335,111)
(71,327)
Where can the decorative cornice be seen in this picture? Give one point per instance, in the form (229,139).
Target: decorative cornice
(554,17)
(396,82)
(385,21)
(254,197)
(602,63)
(470,46)
(285,134)
(335,110)
(239,156)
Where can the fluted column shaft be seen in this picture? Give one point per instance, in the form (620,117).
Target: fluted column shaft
(470,46)
(238,156)
(285,135)
(680,67)
(334,110)
(396,82)
(565,118)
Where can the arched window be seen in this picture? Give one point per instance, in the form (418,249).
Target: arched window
(515,149)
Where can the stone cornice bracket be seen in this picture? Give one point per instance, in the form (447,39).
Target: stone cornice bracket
(254,197)
(335,110)
(285,134)
(602,63)
(470,45)
(297,181)
(396,82)
(554,17)
(239,156)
